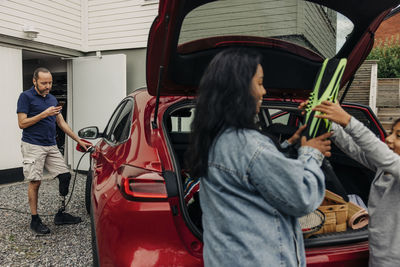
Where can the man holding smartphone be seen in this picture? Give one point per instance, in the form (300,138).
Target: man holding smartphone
(38,112)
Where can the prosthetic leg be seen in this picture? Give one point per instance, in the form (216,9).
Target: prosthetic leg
(62,217)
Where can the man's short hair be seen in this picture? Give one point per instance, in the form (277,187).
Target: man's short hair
(36,72)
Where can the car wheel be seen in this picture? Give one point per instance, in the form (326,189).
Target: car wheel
(88,190)
(95,256)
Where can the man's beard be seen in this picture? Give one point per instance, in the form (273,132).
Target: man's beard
(42,92)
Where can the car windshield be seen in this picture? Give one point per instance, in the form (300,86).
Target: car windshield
(313,26)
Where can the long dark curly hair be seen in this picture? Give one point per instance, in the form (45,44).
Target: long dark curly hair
(224,101)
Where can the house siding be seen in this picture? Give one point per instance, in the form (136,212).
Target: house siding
(115,24)
(83,25)
(92,25)
(291,20)
(58,21)
(239,17)
(322,37)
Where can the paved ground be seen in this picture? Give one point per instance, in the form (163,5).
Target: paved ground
(64,246)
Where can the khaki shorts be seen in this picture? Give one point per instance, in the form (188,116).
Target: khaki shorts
(36,157)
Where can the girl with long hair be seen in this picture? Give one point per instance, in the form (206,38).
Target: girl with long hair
(250,193)
(359,143)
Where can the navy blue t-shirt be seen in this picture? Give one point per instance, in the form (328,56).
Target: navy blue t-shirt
(43,132)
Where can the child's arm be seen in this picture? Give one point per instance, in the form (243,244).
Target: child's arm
(358,141)
(342,140)
(346,143)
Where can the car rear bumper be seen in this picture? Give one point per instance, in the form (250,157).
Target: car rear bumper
(132,233)
(352,255)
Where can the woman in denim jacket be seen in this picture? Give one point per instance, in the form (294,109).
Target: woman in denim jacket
(357,141)
(251,194)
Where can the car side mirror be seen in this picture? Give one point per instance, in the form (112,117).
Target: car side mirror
(91,132)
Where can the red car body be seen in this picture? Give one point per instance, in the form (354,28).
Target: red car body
(134,189)
(147,227)
(350,255)
(145,232)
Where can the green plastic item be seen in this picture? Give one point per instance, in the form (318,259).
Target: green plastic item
(326,87)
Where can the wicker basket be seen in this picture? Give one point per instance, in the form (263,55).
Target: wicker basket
(337,209)
(357,217)
(335,217)
(340,215)
(336,213)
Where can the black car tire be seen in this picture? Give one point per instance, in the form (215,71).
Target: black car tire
(88,190)
(95,256)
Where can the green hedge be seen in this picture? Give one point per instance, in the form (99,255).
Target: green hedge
(388,54)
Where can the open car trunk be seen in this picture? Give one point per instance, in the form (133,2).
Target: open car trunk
(281,119)
(186,35)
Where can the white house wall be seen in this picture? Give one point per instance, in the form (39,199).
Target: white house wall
(58,21)
(83,25)
(115,24)
(92,25)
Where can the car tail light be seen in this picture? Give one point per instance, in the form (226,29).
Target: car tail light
(147,187)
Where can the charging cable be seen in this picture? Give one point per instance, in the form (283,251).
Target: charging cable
(89,150)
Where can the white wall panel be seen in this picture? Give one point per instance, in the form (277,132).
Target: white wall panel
(119,24)
(58,21)
(10,89)
(139,42)
(84,25)
(104,88)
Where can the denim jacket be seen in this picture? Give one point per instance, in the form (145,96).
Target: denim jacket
(251,199)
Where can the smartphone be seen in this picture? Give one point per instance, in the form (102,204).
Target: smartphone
(60,104)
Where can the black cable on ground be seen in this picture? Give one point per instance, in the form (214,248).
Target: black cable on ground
(69,198)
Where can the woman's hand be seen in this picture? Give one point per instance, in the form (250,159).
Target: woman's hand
(321,143)
(333,112)
(296,136)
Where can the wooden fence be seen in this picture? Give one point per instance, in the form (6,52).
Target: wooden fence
(388,101)
(359,91)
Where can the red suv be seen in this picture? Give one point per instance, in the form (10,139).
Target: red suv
(135,185)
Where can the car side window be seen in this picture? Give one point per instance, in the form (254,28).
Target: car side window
(122,125)
(111,122)
(279,116)
(361,115)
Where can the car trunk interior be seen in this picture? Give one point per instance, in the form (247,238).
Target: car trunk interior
(279,120)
